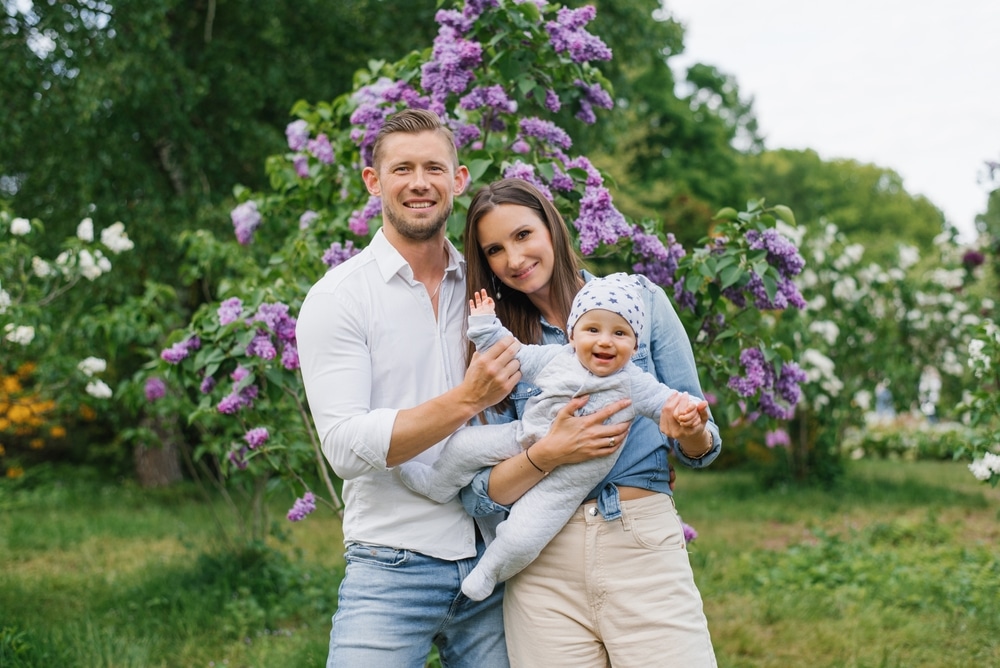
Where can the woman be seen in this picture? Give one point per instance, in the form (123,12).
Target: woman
(615,586)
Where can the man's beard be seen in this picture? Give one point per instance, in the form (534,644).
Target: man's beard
(418,232)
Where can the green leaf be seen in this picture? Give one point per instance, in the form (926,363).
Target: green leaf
(727,213)
(731,276)
(784,213)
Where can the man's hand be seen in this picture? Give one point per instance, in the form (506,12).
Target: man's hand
(492,375)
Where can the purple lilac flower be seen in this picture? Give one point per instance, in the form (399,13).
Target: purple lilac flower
(155,389)
(788,382)
(238,457)
(230,310)
(302,507)
(297,133)
(777,437)
(321,148)
(230,403)
(520,147)
(593,96)
(276,317)
(239,373)
(307,219)
(659,262)
(475,8)
(547,131)
(972,259)
(246,219)
(689,532)
(552,101)
(236,400)
(338,253)
(180,350)
(207,385)
(566,34)
(256,437)
(261,346)
(301,163)
(520,170)
(466,134)
(781,252)
(494,97)
(561,180)
(684,298)
(594,178)
(450,68)
(758,373)
(358,222)
(290,357)
(454,19)
(599,221)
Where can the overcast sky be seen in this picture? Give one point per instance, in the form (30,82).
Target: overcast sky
(911,85)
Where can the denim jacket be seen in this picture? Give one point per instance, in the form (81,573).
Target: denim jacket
(664,351)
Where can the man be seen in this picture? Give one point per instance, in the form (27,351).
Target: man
(382,352)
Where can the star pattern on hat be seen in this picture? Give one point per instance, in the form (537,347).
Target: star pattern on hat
(618,293)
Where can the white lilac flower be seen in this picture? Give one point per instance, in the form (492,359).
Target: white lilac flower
(827,329)
(863,399)
(115,239)
(85,230)
(88,267)
(92,365)
(908,256)
(40,267)
(22,334)
(5,301)
(98,389)
(103,263)
(850,256)
(63,259)
(986,467)
(20,226)
(979,361)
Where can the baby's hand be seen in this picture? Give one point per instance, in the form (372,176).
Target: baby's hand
(483,304)
(689,415)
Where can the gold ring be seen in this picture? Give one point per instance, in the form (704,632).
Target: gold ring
(612,442)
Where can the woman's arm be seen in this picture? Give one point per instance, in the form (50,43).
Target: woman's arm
(570,440)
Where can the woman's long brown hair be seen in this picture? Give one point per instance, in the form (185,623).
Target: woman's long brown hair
(514,308)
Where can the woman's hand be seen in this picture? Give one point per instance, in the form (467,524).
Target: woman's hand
(573,439)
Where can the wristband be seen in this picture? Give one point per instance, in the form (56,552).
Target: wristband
(540,469)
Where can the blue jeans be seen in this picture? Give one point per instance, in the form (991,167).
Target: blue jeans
(393,604)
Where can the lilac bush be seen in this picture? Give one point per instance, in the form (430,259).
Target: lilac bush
(497,72)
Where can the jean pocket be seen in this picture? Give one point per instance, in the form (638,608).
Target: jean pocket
(376,555)
(657,531)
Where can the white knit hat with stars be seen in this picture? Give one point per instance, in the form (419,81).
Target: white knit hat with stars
(619,293)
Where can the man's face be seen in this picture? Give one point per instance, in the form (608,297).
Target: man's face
(417,181)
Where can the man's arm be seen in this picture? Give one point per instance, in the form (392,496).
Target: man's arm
(491,376)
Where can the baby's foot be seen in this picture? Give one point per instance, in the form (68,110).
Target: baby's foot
(477,585)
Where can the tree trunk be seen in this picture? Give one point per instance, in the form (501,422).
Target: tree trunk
(157,462)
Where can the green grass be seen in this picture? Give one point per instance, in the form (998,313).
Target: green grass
(897,566)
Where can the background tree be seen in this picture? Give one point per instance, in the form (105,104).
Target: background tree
(867,203)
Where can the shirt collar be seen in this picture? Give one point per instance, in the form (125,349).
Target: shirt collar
(391,263)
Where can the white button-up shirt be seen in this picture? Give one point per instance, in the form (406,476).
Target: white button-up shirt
(369,346)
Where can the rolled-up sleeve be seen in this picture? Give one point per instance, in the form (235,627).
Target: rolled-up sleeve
(335,359)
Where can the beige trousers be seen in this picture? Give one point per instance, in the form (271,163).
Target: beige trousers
(618,593)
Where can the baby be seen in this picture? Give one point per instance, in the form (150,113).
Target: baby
(605,324)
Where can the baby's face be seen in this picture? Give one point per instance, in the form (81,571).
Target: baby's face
(603,341)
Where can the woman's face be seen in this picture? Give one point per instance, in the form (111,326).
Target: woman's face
(518,248)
